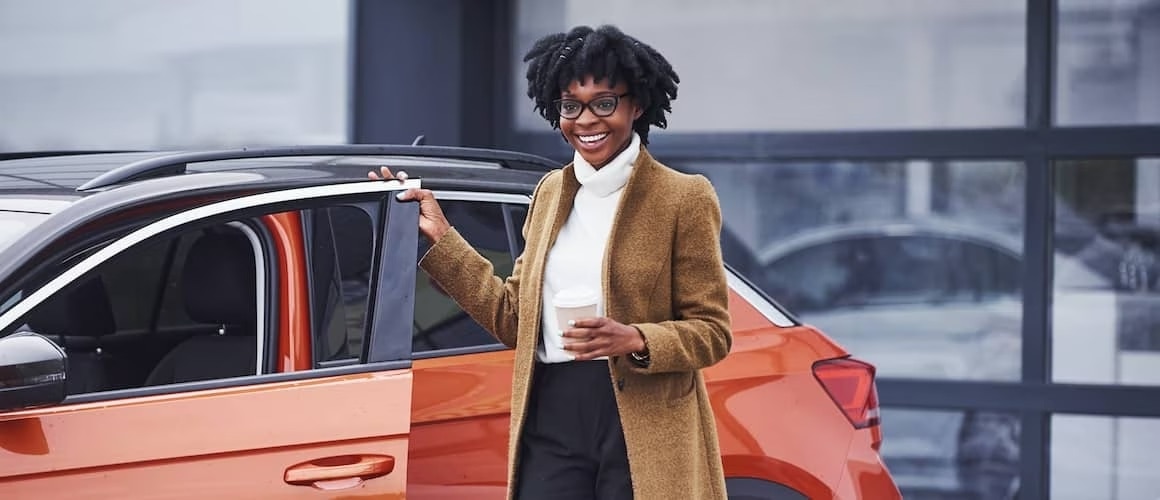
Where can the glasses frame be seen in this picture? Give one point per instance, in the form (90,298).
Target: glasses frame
(558,103)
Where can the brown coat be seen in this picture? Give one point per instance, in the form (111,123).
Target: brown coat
(663,273)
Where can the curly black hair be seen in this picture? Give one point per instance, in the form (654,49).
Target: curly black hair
(556,60)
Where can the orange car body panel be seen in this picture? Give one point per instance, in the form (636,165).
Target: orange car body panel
(864,471)
(232,442)
(294,352)
(461,411)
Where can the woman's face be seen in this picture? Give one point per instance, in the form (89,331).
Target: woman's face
(597,138)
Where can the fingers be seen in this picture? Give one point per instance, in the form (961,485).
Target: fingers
(592,349)
(591,338)
(589,322)
(415,194)
(384,173)
(586,341)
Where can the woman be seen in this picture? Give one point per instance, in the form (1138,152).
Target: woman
(614,406)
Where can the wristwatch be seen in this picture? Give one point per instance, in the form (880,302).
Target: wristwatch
(641,358)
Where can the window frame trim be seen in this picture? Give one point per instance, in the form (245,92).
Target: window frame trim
(261,271)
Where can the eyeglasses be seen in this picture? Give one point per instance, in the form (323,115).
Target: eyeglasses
(603,106)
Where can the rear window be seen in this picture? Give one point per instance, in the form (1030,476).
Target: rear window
(15,224)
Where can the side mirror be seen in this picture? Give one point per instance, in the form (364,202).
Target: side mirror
(32,372)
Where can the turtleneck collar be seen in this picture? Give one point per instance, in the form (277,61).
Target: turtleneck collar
(612,176)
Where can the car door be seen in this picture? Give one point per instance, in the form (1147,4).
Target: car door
(461,411)
(206,422)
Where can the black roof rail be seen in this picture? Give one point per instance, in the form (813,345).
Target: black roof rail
(174,164)
(20,155)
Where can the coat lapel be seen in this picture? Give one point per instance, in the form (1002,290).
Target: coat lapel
(630,260)
(569,186)
(558,207)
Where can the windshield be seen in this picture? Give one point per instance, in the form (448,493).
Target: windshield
(15,224)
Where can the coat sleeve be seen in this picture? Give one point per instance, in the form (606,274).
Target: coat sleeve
(701,335)
(470,280)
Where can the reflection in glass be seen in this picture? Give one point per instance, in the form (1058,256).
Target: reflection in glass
(914,266)
(781,65)
(1110,458)
(1108,69)
(171,73)
(949,454)
(1106,301)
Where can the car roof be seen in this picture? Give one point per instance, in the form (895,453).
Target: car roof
(31,180)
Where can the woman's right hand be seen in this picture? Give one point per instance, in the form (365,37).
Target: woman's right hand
(432,223)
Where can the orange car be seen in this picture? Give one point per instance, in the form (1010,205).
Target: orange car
(251,324)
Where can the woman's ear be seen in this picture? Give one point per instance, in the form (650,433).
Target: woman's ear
(637,112)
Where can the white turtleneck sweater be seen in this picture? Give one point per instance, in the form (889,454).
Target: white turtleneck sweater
(577,258)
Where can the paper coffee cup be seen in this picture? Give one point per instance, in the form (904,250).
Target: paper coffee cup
(573,304)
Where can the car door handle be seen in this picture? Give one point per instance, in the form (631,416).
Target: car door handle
(339,472)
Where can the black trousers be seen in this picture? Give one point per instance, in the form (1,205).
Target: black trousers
(572,447)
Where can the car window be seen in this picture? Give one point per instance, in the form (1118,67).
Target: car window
(109,321)
(342,250)
(196,295)
(439,322)
(15,224)
(145,278)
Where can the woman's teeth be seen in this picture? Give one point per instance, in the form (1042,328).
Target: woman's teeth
(593,138)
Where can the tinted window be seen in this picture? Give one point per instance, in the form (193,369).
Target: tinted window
(342,250)
(155,266)
(126,324)
(439,322)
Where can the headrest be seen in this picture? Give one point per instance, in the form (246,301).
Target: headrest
(218,280)
(82,310)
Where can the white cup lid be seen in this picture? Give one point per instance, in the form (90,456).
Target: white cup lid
(576,297)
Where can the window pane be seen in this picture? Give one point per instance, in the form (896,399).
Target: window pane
(172,73)
(777,65)
(1106,301)
(132,280)
(1110,458)
(439,322)
(914,266)
(950,454)
(343,254)
(104,324)
(1108,71)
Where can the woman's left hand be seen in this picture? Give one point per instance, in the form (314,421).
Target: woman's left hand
(595,337)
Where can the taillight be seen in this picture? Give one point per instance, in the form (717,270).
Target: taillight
(850,383)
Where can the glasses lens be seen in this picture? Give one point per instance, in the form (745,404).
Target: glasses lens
(569,109)
(604,106)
